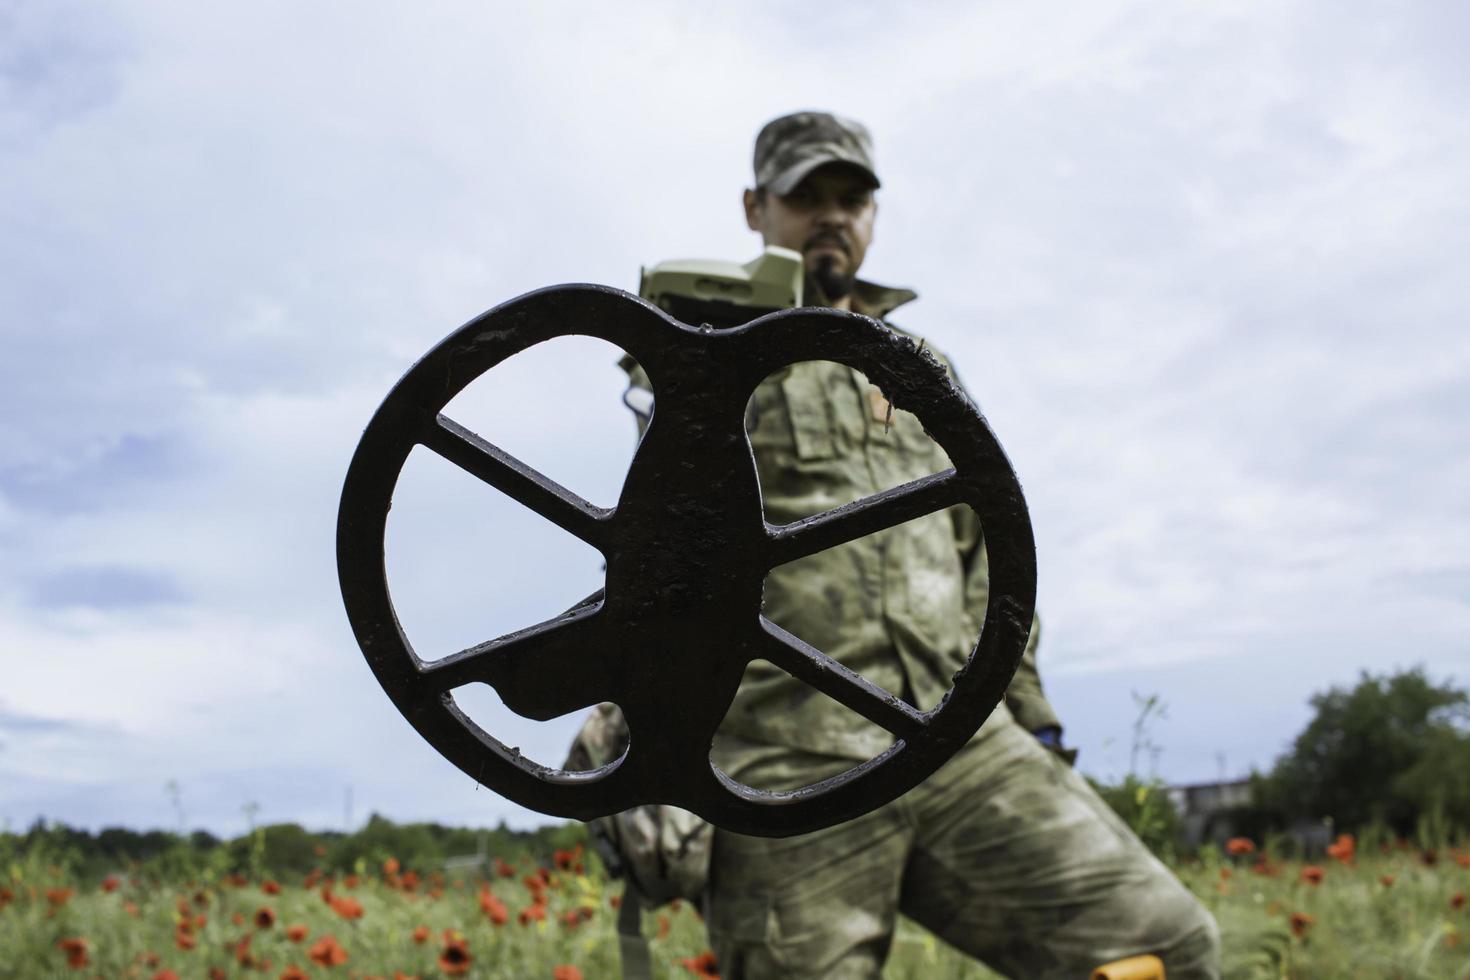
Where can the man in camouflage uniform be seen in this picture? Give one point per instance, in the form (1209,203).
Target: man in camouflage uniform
(1005,852)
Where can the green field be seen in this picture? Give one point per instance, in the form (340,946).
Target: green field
(1387,911)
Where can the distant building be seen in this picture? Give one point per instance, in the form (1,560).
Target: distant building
(1207,815)
(1205,809)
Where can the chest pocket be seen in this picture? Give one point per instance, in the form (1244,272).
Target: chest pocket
(811,421)
(916,445)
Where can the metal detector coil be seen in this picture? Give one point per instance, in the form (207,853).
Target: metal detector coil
(687,549)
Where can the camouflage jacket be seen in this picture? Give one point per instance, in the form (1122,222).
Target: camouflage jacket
(901,607)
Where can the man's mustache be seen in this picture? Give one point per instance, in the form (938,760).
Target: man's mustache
(829,238)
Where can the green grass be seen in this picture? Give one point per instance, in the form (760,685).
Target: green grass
(1359,926)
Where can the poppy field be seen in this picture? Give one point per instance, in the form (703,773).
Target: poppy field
(1387,910)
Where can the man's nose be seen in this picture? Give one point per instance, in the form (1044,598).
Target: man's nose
(830,214)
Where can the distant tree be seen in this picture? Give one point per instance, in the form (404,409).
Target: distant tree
(1440,780)
(1392,748)
(288,847)
(380,838)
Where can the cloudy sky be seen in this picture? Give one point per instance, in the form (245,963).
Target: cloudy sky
(1203,266)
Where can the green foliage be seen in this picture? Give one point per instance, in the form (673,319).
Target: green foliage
(413,844)
(288,847)
(1146,808)
(1391,749)
(279,849)
(1387,913)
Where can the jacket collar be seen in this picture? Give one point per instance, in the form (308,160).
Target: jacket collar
(868,298)
(871,299)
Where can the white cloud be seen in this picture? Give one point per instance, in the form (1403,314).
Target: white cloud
(1200,266)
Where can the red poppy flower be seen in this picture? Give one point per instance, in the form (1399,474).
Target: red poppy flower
(165,975)
(265,917)
(664,925)
(1386,881)
(1240,845)
(296,933)
(110,883)
(294,972)
(1457,900)
(390,866)
(421,935)
(1312,874)
(703,966)
(184,937)
(59,896)
(1344,849)
(270,887)
(454,958)
(218,973)
(75,948)
(503,869)
(326,951)
(494,908)
(536,912)
(347,908)
(1300,923)
(565,972)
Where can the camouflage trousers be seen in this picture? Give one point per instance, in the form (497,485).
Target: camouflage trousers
(1005,853)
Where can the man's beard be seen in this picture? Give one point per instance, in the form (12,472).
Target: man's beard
(834,285)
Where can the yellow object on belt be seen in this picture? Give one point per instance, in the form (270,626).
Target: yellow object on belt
(1133,968)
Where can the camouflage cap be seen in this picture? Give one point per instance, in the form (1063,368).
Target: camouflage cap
(792,146)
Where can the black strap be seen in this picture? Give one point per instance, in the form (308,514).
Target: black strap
(632,947)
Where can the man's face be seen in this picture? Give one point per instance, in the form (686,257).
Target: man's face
(828,218)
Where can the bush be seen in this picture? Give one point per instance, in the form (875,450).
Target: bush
(1392,749)
(1144,805)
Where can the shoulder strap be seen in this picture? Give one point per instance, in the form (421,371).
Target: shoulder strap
(632,946)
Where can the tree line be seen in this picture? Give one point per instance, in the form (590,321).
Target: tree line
(1391,752)
(281,849)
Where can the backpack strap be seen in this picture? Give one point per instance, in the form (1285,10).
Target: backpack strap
(632,946)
